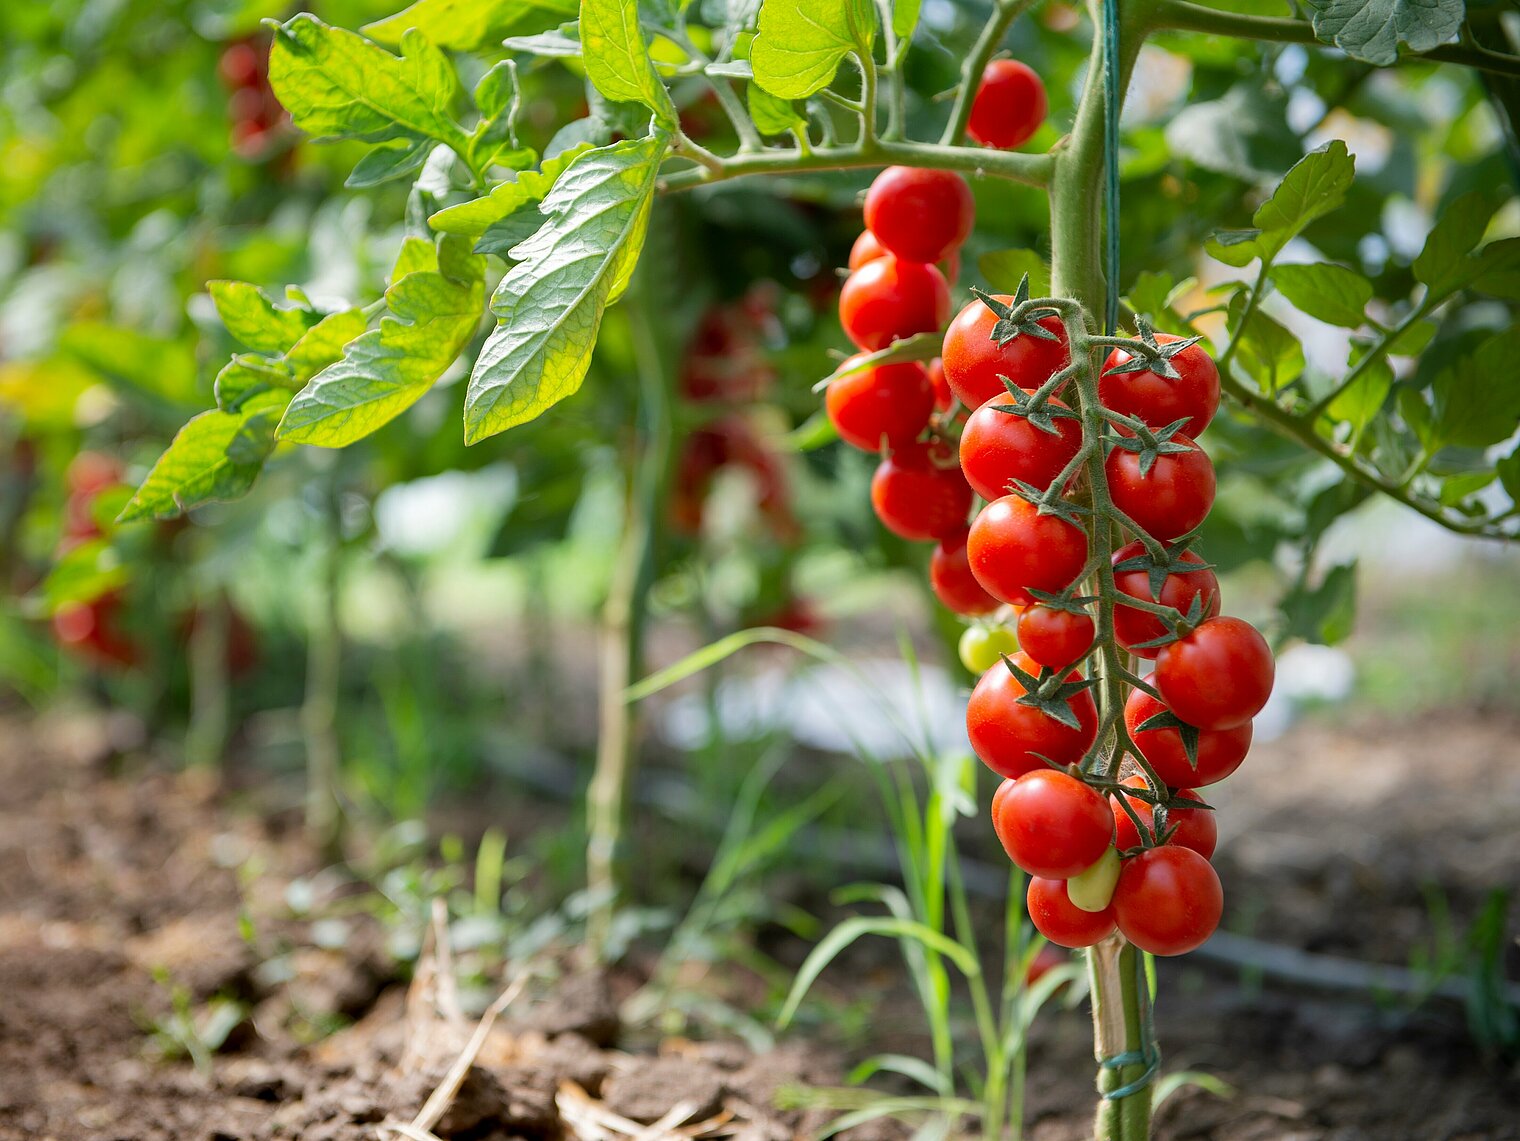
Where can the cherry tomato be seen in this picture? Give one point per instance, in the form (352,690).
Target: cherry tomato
(887,404)
(920,214)
(1217,677)
(865,249)
(1009,107)
(919,493)
(1051,824)
(943,397)
(1157,401)
(998,448)
(1196,827)
(1178,589)
(1055,638)
(92,630)
(1063,922)
(1220,751)
(982,647)
(1168,900)
(241,65)
(952,581)
(887,299)
(1013,548)
(1170,499)
(1007,735)
(974,361)
(1046,959)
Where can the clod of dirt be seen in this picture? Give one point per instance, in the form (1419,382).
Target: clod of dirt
(646,1089)
(579,1004)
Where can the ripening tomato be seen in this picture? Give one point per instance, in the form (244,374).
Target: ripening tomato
(974,361)
(1000,447)
(919,493)
(1217,677)
(981,647)
(1158,401)
(1055,638)
(93,630)
(1220,751)
(1007,735)
(1169,500)
(885,405)
(920,214)
(1196,827)
(1013,549)
(1168,901)
(1063,922)
(865,249)
(241,65)
(1009,106)
(952,581)
(888,299)
(943,397)
(1052,825)
(1178,589)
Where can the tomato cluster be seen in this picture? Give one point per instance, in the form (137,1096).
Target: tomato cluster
(1105,852)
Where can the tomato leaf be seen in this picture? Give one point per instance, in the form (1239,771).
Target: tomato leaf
(465,25)
(1477,400)
(1447,263)
(255,320)
(433,313)
(1004,269)
(1332,293)
(801,43)
(473,218)
(1324,613)
(1315,186)
(550,305)
(772,114)
(617,58)
(1372,30)
(1363,398)
(217,455)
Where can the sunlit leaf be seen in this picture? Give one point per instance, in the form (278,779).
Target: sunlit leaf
(465,25)
(801,43)
(1316,185)
(1372,30)
(1332,293)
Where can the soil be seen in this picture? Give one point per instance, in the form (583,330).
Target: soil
(124,888)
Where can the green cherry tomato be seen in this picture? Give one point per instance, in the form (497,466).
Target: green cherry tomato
(1093,889)
(982,647)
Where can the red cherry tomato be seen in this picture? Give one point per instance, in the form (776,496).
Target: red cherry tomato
(943,397)
(1053,825)
(974,361)
(888,299)
(919,493)
(920,214)
(1217,677)
(93,630)
(1157,401)
(865,249)
(1055,638)
(241,65)
(90,473)
(998,448)
(953,583)
(1047,959)
(1009,107)
(1170,499)
(1196,827)
(1013,549)
(1063,922)
(1007,735)
(1168,900)
(1220,751)
(1132,626)
(887,404)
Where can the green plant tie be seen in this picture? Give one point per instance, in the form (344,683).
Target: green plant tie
(1111,95)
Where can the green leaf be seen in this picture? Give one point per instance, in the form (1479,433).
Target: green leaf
(1457,489)
(772,114)
(1155,296)
(550,305)
(249,374)
(1332,293)
(1325,613)
(1315,186)
(1444,265)
(905,18)
(801,43)
(1508,470)
(255,320)
(216,456)
(617,58)
(324,343)
(1363,398)
(434,312)
(465,25)
(1269,353)
(338,85)
(386,163)
(1413,341)
(1477,401)
(563,42)
(1004,269)
(471,219)
(84,573)
(1372,30)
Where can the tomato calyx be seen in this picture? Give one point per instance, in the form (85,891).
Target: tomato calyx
(1050,693)
(1166,719)
(1017,319)
(1034,407)
(1150,444)
(1174,561)
(1179,625)
(1153,356)
(1068,601)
